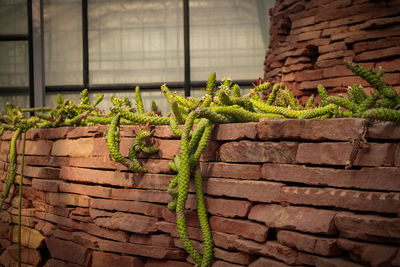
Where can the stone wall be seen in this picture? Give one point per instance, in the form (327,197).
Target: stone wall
(277,195)
(310,39)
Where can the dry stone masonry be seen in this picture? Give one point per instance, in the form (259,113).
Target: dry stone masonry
(310,39)
(276,191)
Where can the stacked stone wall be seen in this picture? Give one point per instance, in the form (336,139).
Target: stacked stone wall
(276,191)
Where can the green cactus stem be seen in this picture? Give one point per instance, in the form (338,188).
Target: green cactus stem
(289,113)
(211,115)
(323,94)
(382,114)
(316,112)
(343,102)
(310,102)
(11,171)
(138,99)
(140,118)
(272,95)
(20,198)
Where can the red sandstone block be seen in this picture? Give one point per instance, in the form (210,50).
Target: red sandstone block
(335,262)
(270,249)
(95,230)
(244,228)
(220,263)
(295,60)
(333,82)
(390,65)
(32,194)
(58,220)
(252,190)
(229,170)
(64,199)
(40,172)
(145,208)
(368,227)
(234,131)
(378,54)
(142,250)
(337,71)
(45,185)
(336,54)
(308,75)
(66,250)
(295,218)
(96,176)
(372,34)
(335,129)
(262,262)
(251,152)
(191,217)
(329,62)
(370,254)
(338,153)
(96,191)
(308,35)
(102,259)
(296,67)
(7,135)
(340,198)
(309,243)
(332,47)
(392,79)
(88,131)
(28,255)
(166,263)
(154,196)
(48,133)
(59,263)
(223,207)
(397,157)
(365,178)
(84,239)
(82,147)
(40,148)
(151,181)
(303,22)
(44,161)
(233,257)
(376,44)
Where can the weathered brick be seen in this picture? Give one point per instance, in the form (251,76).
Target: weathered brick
(341,198)
(378,54)
(145,208)
(96,176)
(30,238)
(303,22)
(88,131)
(336,71)
(81,147)
(335,262)
(48,133)
(261,262)
(65,199)
(103,259)
(244,228)
(66,250)
(45,185)
(332,47)
(295,218)
(368,227)
(95,230)
(252,152)
(142,250)
(260,191)
(365,178)
(317,129)
(308,75)
(154,196)
(166,263)
(28,255)
(377,44)
(309,243)
(90,190)
(229,170)
(371,254)
(39,148)
(270,249)
(338,153)
(234,131)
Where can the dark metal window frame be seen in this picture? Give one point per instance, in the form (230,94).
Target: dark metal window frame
(36,79)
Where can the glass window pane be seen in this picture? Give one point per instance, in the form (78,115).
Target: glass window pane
(63,42)
(228,37)
(19,100)
(13,17)
(14,64)
(135,41)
